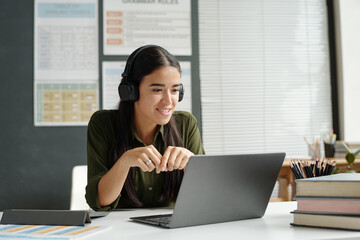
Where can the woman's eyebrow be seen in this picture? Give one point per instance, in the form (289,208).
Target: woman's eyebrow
(162,85)
(157,85)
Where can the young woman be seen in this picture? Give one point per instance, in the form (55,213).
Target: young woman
(137,154)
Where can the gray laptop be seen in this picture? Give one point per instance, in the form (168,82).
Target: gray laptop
(222,188)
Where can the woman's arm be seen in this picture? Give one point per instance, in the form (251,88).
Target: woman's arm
(111,184)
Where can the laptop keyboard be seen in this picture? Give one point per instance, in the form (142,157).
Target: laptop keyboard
(162,220)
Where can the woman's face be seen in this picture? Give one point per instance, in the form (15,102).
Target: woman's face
(158,96)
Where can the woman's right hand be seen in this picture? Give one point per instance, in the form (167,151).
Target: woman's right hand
(147,158)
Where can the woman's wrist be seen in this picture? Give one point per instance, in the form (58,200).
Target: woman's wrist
(122,163)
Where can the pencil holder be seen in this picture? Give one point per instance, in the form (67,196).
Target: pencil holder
(329,150)
(314,151)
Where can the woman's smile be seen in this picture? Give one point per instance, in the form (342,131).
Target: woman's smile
(164,111)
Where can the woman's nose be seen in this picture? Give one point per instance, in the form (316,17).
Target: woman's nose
(167,97)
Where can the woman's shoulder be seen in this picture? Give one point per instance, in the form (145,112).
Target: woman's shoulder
(183,117)
(102,116)
(182,114)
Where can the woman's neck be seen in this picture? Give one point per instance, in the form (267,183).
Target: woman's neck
(145,132)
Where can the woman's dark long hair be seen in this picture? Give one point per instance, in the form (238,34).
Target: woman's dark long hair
(145,63)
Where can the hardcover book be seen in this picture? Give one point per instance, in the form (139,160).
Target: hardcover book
(330,220)
(328,205)
(335,185)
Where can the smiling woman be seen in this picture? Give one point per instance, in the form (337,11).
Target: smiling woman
(137,154)
(159,94)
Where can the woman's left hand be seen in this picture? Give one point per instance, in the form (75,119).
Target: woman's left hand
(175,158)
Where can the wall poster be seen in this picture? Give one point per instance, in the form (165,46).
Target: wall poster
(66,73)
(129,24)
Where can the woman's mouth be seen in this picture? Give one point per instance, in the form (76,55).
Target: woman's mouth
(164,111)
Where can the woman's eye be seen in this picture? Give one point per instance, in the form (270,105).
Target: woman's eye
(175,90)
(157,90)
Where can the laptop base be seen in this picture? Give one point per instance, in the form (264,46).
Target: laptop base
(162,220)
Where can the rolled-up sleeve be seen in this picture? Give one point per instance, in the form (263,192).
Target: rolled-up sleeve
(99,150)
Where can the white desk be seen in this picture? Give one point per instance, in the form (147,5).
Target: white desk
(274,225)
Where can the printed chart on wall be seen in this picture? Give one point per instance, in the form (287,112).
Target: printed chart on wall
(111,77)
(66,72)
(131,24)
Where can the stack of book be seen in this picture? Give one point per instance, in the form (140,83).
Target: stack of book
(331,201)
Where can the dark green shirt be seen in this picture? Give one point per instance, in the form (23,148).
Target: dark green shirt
(101,141)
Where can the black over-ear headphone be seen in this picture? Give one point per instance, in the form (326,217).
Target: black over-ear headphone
(128,89)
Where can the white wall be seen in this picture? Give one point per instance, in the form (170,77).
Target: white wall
(348,56)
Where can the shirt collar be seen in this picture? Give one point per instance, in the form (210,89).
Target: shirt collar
(159,133)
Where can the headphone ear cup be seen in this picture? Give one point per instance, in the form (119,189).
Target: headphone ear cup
(128,92)
(119,87)
(181,92)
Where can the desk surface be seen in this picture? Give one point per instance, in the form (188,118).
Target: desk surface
(274,225)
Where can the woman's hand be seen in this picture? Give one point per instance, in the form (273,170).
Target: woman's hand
(147,158)
(174,158)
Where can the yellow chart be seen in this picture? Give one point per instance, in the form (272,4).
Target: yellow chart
(66,103)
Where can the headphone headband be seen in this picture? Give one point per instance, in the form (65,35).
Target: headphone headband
(131,60)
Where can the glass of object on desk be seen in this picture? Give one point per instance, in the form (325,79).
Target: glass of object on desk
(329,150)
(314,151)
